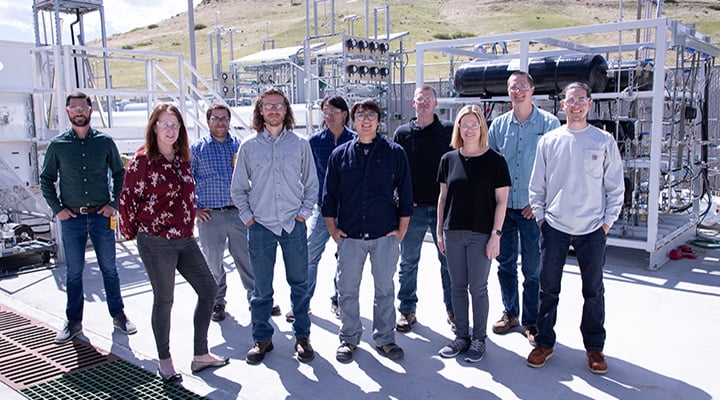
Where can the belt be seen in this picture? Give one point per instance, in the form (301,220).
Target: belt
(223,208)
(86,210)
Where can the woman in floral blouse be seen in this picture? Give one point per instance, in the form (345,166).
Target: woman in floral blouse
(157,206)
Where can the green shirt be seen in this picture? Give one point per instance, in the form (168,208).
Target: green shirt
(83,166)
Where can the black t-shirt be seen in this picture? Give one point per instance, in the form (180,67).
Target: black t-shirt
(471,183)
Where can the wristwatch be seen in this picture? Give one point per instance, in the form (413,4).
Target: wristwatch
(497,232)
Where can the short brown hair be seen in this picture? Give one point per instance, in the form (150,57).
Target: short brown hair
(217,106)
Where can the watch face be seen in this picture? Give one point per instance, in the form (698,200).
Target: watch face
(4,218)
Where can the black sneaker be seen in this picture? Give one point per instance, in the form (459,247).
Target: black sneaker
(345,352)
(124,325)
(405,322)
(218,312)
(305,352)
(71,330)
(335,308)
(476,351)
(457,346)
(258,351)
(276,311)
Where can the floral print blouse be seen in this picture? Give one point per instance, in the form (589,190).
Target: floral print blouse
(157,197)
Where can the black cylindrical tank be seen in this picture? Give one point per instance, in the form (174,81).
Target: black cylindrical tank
(489,78)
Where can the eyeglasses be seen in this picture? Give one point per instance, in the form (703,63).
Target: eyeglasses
(470,126)
(165,125)
(78,109)
(521,88)
(423,100)
(273,106)
(222,120)
(331,112)
(366,117)
(580,101)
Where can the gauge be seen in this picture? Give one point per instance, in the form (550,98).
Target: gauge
(4,217)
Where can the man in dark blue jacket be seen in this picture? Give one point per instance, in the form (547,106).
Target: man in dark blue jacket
(367,204)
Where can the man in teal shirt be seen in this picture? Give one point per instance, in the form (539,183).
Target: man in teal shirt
(81,159)
(515,135)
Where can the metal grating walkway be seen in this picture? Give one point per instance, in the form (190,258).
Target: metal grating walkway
(32,364)
(112,380)
(29,355)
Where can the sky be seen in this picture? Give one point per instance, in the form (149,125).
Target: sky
(16,23)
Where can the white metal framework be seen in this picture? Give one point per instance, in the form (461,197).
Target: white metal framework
(667,179)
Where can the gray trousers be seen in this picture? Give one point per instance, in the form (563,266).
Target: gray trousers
(225,227)
(469,269)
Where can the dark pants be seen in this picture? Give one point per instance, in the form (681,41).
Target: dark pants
(590,253)
(162,257)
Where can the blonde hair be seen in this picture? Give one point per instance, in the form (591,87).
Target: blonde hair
(457,140)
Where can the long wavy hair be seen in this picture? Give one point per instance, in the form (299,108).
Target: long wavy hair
(258,121)
(181,145)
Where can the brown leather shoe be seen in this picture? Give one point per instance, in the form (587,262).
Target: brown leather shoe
(257,352)
(405,322)
(539,356)
(596,362)
(505,323)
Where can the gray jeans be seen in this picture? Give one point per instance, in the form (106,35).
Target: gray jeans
(384,253)
(162,257)
(226,227)
(469,269)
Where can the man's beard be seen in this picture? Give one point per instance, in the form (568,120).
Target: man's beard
(84,122)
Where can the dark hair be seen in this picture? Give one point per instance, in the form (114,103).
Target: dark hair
(575,85)
(338,102)
(181,145)
(258,121)
(367,105)
(470,109)
(525,74)
(78,95)
(217,106)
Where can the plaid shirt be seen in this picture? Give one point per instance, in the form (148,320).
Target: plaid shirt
(212,165)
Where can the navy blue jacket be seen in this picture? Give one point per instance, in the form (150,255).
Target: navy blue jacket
(368,200)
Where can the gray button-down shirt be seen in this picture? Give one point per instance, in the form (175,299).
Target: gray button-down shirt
(274,180)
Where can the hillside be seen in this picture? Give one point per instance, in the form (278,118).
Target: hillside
(283,21)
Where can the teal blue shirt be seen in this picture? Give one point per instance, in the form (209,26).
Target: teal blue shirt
(90,170)
(517,143)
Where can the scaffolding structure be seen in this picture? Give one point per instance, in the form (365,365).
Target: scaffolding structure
(656,102)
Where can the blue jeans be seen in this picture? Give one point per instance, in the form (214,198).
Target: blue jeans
(469,269)
(75,232)
(162,257)
(263,249)
(316,241)
(226,227)
(384,253)
(423,218)
(515,224)
(590,254)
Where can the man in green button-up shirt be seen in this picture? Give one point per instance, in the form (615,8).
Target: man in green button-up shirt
(84,202)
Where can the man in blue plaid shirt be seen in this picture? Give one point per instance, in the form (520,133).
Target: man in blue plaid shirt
(213,162)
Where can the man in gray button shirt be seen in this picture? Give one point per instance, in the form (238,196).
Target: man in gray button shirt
(275,187)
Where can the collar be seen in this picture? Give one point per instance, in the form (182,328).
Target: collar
(531,119)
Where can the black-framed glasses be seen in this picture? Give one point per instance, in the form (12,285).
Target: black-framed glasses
(365,116)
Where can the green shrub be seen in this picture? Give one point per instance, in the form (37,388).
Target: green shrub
(127,47)
(153,26)
(200,26)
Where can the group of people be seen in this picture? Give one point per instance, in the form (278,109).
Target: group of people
(478,190)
